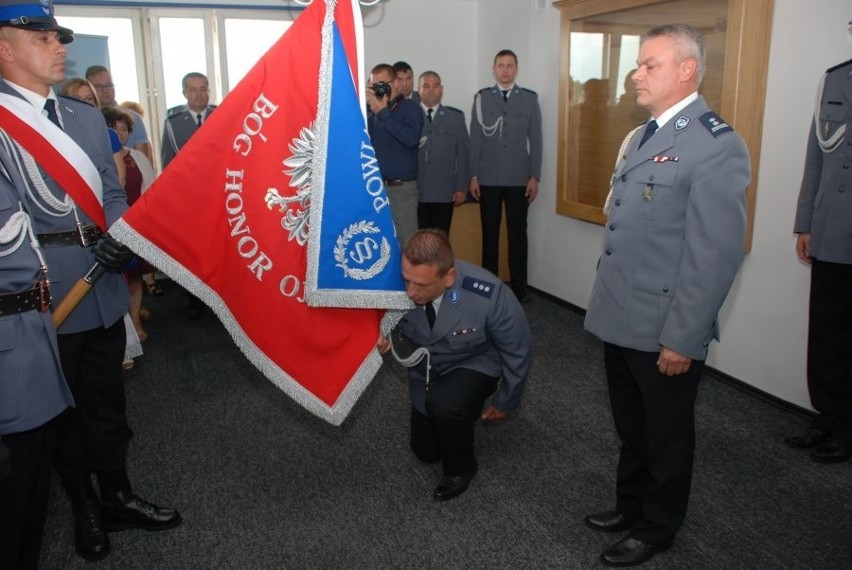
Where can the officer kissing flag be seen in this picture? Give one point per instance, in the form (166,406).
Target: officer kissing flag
(275,215)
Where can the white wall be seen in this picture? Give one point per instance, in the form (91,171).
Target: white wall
(764,322)
(438,35)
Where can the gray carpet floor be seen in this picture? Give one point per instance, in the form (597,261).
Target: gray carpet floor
(263,484)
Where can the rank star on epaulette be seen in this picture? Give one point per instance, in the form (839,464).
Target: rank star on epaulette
(714,123)
(479,287)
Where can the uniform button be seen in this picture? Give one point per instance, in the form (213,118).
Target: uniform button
(609,252)
(841,189)
(651,177)
(612,227)
(845,167)
(624,178)
(665,289)
(618,202)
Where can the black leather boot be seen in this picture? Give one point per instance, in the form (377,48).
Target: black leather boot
(90,537)
(121,508)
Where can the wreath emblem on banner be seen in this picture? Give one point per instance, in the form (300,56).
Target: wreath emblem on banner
(363,251)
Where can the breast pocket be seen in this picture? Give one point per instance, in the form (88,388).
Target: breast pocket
(465,339)
(833,114)
(654,192)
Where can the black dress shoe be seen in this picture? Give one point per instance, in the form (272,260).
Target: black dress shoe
(90,537)
(810,438)
(123,510)
(632,552)
(610,521)
(451,487)
(832,450)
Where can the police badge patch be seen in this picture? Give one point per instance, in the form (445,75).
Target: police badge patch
(681,123)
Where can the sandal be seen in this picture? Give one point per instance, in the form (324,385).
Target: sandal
(153,289)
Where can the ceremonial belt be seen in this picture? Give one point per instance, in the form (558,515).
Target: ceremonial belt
(397,182)
(35,299)
(84,236)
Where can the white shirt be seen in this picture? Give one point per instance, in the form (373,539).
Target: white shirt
(669,113)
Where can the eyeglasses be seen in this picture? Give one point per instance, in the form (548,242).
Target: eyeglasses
(103,86)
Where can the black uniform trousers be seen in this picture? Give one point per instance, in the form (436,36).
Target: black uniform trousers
(830,347)
(491,199)
(94,435)
(24,498)
(655,418)
(438,215)
(453,402)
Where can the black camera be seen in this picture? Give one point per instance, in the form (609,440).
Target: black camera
(382,89)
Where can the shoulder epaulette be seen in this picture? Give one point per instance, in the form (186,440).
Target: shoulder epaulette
(211,107)
(453,109)
(714,123)
(77,99)
(175,111)
(479,286)
(529,91)
(838,66)
(485,89)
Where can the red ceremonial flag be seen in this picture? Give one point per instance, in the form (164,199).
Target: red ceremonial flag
(207,222)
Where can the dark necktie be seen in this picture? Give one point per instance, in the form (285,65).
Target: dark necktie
(505,94)
(198,119)
(429,115)
(50,107)
(649,130)
(430,313)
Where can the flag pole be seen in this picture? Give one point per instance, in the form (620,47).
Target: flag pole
(70,301)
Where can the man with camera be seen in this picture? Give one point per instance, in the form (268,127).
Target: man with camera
(394,124)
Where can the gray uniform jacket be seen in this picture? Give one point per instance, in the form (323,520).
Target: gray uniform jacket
(179,127)
(825,199)
(109,299)
(505,137)
(674,238)
(480,326)
(32,387)
(442,156)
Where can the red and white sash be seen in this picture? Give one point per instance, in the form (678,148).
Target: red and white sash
(56,153)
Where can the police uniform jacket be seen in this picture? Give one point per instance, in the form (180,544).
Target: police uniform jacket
(180,125)
(505,137)
(32,387)
(442,160)
(825,198)
(480,326)
(109,299)
(674,237)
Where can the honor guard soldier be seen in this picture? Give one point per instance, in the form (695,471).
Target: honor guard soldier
(442,159)
(478,340)
(33,389)
(94,436)
(505,165)
(824,224)
(182,122)
(673,242)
